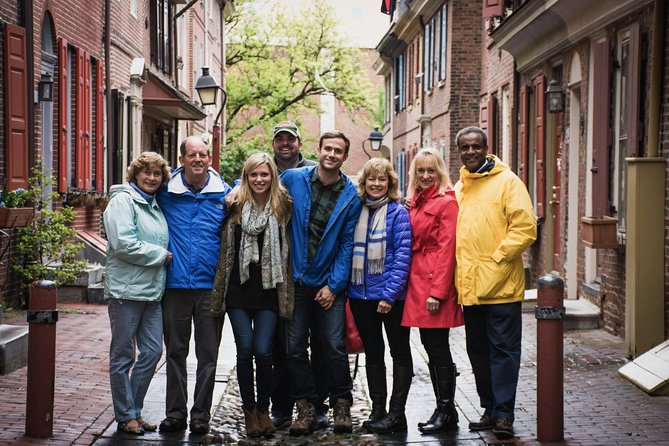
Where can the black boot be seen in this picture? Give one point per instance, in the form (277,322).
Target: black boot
(396,420)
(435,414)
(446,415)
(378,392)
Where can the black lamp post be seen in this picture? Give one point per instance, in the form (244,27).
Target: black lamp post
(207,88)
(375,138)
(555,97)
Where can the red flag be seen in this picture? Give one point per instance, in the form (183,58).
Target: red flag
(388,6)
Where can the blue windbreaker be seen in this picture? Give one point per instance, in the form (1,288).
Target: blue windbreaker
(194,224)
(331,264)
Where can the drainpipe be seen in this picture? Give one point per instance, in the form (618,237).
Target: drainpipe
(176,40)
(221,27)
(657,58)
(30,69)
(108,95)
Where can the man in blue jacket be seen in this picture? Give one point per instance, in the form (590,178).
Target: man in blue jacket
(193,203)
(326,208)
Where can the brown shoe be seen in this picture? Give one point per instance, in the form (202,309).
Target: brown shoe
(251,421)
(306,421)
(343,424)
(266,426)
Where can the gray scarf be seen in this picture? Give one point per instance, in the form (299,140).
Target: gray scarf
(374,249)
(253,223)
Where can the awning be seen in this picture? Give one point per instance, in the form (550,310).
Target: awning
(163,101)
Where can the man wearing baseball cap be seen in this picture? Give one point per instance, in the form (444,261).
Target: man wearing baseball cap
(287,143)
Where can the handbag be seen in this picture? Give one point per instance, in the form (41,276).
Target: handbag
(353,342)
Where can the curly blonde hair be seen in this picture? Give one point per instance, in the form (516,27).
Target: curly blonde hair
(379,166)
(149,161)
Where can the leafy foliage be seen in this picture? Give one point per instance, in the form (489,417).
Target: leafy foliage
(46,247)
(14,198)
(279,62)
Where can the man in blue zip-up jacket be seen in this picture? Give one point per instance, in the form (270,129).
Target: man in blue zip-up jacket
(193,203)
(326,208)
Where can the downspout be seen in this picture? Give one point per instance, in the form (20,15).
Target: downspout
(221,18)
(108,95)
(30,79)
(657,59)
(176,40)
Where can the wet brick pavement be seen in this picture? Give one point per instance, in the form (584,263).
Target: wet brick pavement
(600,407)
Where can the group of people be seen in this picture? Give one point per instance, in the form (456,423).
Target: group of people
(282,252)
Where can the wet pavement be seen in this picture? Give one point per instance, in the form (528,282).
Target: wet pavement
(600,408)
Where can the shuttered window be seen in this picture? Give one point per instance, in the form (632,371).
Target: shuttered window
(16,109)
(540,144)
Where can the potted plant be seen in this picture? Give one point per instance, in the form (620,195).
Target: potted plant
(14,208)
(46,249)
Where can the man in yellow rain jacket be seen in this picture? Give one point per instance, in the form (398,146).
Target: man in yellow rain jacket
(496,223)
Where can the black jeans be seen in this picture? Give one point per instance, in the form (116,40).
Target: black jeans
(328,327)
(370,325)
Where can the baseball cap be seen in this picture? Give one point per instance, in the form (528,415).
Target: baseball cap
(286,126)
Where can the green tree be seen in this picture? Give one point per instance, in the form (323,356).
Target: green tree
(278,63)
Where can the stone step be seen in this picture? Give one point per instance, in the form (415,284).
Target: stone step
(13,347)
(579,313)
(96,293)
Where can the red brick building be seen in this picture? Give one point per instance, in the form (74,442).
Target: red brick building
(431,57)
(121,78)
(596,166)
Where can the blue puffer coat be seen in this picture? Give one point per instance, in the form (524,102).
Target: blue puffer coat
(391,284)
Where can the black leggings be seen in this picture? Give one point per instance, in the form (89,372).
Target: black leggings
(435,341)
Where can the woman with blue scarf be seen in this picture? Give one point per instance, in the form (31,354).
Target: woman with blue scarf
(134,283)
(376,292)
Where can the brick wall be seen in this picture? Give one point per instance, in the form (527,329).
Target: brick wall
(664,147)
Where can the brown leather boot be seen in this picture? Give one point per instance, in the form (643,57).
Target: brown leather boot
(266,426)
(343,424)
(251,421)
(306,421)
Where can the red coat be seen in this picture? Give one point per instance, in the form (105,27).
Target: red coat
(433,221)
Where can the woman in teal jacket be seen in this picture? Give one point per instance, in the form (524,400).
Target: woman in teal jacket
(134,283)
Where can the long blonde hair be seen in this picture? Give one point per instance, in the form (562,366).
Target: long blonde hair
(437,162)
(279,198)
(379,166)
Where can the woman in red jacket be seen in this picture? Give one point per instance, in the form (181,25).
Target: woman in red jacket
(431,301)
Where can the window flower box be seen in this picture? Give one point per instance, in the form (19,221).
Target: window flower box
(13,217)
(600,232)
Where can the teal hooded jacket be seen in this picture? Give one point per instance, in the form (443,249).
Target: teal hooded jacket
(137,248)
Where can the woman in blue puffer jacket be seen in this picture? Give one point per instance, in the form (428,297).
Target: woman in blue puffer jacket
(380,268)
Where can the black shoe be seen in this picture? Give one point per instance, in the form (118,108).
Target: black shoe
(199,427)
(171,424)
(281,421)
(391,423)
(484,424)
(503,429)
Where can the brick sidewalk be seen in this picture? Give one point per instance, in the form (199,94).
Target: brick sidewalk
(600,407)
(82,403)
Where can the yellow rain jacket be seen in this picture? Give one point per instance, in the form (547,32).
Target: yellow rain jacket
(496,223)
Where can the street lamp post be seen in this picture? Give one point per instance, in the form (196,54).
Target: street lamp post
(207,88)
(375,138)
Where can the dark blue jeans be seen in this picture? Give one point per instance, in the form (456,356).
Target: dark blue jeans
(329,328)
(254,332)
(493,346)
